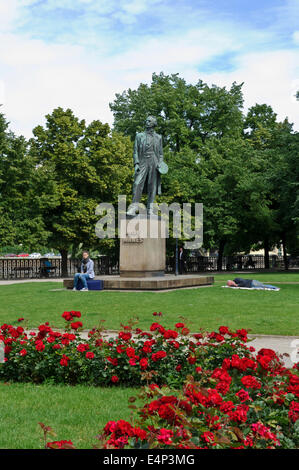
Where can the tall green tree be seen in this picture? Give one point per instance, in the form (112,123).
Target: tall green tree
(275,144)
(20,221)
(187,114)
(82,166)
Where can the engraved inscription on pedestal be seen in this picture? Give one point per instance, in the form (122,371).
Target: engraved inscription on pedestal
(142,247)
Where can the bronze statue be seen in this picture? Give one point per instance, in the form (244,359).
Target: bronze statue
(148,165)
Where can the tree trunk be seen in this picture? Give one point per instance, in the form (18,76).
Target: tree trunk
(266,249)
(220,254)
(64,271)
(285,256)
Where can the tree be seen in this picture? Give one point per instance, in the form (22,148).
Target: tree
(81,166)
(285,179)
(278,148)
(20,221)
(187,114)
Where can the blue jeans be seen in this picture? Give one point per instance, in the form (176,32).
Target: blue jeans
(261,285)
(83,278)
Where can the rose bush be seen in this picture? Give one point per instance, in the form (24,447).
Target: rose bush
(203,390)
(133,357)
(214,410)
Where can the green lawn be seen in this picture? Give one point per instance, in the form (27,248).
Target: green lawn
(79,413)
(264,312)
(75,413)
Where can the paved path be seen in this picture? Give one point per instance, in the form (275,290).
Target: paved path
(22,281)
(281,344)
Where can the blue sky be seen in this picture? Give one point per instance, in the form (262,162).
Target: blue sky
(79,53)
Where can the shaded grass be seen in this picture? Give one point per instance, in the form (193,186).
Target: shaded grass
(75,413)
(264,312)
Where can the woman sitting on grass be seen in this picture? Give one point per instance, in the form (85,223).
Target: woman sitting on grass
(87,272)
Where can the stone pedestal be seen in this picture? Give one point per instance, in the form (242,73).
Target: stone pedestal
(142,247)
(158,283)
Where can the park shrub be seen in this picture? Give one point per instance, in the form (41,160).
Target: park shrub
(235,406)
(202,390)
(131,357)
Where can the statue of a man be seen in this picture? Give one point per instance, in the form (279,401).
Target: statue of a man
(148,164)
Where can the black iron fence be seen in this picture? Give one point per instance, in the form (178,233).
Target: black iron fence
(36,268)
(195,264)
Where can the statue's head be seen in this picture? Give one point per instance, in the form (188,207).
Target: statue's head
(151,121)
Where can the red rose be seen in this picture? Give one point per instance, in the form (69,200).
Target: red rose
(191,359)
(153,386)
(178,368)
(39,346)
(132,362)
(208,436)
(240,414)
(130,352)
(226,406)
(243,395)
(64,360)
(23,352)
(158,355)
(185,331)
(170,334)
(82,347)
(294,411)
(179,325)
(219,338)
(242,334)
(76,314)
(154,326)
(198,336)
(226,363)
(250,382)
(67,316)
(112,360)
(114,379)
(164,436)
(20,319)
(76,325)
(124,336)
(223,330)
(143,363)
(89,355)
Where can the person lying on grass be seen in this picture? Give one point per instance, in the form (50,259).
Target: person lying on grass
(249,284)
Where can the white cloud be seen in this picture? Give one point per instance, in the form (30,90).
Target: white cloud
(192,48)
(269,77)
(7,14)
(39,76)
(296,37)
(2,93)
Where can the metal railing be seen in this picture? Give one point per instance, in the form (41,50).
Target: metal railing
(34,268)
